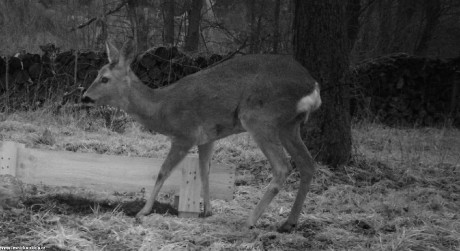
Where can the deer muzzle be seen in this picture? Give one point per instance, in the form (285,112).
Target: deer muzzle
(87,100)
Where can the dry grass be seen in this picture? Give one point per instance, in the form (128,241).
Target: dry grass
(401,192)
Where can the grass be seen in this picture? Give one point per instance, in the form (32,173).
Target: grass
(401,191)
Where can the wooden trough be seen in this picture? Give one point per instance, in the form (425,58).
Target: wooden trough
(114,173)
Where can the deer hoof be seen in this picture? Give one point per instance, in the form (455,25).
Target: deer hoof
(141,213)
(286,227)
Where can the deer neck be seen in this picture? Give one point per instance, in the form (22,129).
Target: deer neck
(144,103)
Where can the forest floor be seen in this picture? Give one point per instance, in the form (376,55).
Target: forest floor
(401,191)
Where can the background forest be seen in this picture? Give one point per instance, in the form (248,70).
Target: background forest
(424,28)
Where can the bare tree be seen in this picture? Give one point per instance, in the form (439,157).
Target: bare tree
(276,25)
(353,26)
(258,27)
(405,11)
(432,15)
(193,33)
(101,27)
(256,9)
(324,52)
(139,22)
(385,25)
(168,7)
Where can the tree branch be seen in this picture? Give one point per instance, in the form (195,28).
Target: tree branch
(230,55)
(121,5)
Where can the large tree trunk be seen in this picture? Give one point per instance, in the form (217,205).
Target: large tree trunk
(320,44)
(168,7)
(193,33)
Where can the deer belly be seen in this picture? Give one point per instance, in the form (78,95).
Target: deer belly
(209,133)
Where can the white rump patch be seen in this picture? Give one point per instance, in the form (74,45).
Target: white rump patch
(310,102)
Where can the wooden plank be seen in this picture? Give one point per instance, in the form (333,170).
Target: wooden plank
(110,172)
(9,157)
(189,202)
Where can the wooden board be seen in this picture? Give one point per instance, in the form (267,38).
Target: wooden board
(110,172)
(190,190)
(9,157)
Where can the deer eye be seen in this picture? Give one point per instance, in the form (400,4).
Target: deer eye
(104,80)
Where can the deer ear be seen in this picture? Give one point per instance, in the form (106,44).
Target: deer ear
(112,52)
(128,52)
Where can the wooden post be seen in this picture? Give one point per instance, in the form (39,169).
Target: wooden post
(9,157)
(190,189)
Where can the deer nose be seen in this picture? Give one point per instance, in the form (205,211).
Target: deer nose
(85,99)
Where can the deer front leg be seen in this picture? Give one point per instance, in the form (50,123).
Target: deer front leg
(205,152)
(176,154)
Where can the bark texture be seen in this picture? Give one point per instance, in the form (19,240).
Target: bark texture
(139,23)
(192,39)
(321,45)
(168,19)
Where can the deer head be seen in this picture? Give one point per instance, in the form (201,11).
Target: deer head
(114,79)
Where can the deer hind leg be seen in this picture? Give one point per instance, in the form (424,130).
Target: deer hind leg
(292,141)
(176,154)
(271,146)
(205,152)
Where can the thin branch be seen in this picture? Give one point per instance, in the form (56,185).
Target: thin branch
(218,25)
(231,55)
(121,5)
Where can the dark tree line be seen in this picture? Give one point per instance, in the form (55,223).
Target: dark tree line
(420,27)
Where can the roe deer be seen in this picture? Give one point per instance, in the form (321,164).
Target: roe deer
(268,96)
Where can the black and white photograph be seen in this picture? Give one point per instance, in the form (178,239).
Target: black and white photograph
(172,125)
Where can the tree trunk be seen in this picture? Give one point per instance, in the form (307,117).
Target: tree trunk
(404,13)
(258,29)
(252,10)
(139,25)
(276,26)
(353,26)
(101,27)
(320,44)
(432,15)
(193,33)
(365,46)
(384,36)
(168,19)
